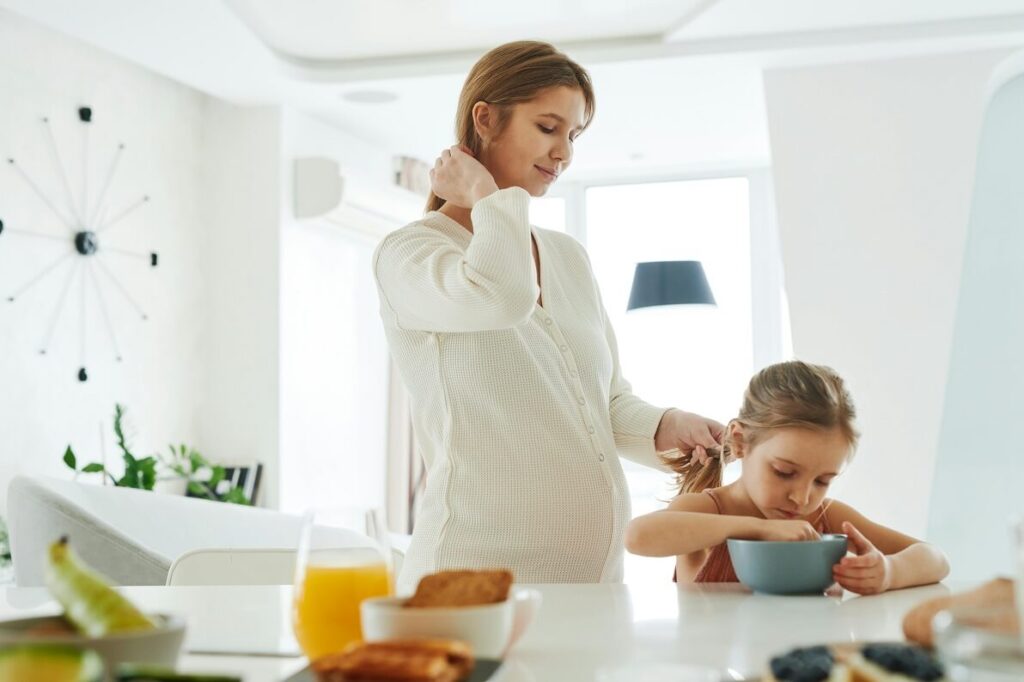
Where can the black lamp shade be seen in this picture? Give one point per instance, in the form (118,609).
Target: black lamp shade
(672,282)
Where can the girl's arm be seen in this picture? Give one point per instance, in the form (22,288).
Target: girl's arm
(691,524)
(885,559)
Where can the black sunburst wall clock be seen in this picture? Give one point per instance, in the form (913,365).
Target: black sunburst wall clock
(84,247)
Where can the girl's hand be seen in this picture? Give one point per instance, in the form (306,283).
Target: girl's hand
(690,433)
(795,530)
(457,177)
(869,572)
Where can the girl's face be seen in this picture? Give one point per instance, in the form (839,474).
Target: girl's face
(535,145)
(788,473)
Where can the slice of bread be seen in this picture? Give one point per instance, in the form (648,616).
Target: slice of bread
(461,588)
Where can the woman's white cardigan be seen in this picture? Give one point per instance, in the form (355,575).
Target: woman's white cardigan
(519,410)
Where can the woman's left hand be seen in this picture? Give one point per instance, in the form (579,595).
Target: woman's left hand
(869,572)
(689,433)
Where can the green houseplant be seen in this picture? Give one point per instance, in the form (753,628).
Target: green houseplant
(202,478)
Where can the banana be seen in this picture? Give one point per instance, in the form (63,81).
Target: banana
(92,606)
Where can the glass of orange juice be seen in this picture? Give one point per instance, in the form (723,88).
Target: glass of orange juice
(335,570)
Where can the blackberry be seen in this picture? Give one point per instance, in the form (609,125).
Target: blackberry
(809,664)
(912,661)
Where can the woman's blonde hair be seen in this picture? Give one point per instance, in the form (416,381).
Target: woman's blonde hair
(510,74)
(788,394)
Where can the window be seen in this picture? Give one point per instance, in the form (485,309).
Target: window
(694,357)
(334,369)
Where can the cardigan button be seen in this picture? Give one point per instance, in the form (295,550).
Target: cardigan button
(547,320)
(581,400)
(600,457)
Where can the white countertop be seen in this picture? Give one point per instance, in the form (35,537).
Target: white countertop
(579,630)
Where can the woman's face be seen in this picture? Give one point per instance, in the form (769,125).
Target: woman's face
(535,145)
(788,473)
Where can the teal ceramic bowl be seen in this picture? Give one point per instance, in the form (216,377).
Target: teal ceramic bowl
(787,567)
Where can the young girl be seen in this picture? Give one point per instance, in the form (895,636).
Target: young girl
(794,434)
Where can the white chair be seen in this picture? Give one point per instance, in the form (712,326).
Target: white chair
(233,567)
(242,567)
(134,536)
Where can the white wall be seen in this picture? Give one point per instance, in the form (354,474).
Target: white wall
(212,367)
(239,406)
(43,407)
(873,167)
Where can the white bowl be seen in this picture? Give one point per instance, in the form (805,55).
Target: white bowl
(160,646)
(490,629)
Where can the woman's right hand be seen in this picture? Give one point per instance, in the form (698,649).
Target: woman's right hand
(787,531)
(457,177)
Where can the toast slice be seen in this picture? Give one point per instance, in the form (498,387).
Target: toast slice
(461,588)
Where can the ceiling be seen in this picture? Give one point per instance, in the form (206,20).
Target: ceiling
(678,81)
(331,30)
(320,33)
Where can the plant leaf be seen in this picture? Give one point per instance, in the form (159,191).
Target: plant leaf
(147,471)
(202,490)
(217,477)
(236,496)
(118,431)
(93,468)
(70,460)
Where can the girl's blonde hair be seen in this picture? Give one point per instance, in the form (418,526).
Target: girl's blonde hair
(788,394)
(510,74)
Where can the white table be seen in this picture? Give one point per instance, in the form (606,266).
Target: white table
(579,629)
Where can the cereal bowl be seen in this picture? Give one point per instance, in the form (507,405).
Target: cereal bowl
(787,567)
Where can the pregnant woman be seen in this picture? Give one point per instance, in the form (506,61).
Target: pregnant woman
(498,330)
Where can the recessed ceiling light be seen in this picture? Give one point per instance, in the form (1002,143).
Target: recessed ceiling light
(369,96)
(636,156)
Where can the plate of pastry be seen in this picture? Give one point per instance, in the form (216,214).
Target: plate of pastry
(401,660)
(857,662)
